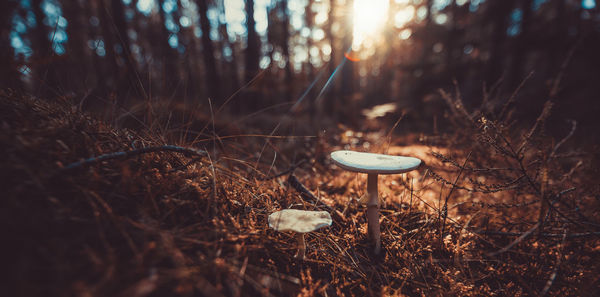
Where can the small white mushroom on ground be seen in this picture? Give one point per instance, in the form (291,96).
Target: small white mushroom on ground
(373,165)
(299,221)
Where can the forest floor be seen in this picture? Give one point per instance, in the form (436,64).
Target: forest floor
(169,220)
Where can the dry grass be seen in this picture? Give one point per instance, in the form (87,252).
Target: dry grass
(163,223)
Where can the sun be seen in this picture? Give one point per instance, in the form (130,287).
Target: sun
(369,18)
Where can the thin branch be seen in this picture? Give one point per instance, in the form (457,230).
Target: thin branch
(304,192)
(132,153)
(512,97)
(445,207)
(556,266)
(521,238)
(557,146)
(546,235)
(285,172)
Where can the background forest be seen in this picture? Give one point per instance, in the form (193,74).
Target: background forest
(144,143)
(270,54)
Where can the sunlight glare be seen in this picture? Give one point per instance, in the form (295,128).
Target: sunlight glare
(369,18)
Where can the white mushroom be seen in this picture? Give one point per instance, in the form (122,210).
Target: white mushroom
(299,221)
(373,165)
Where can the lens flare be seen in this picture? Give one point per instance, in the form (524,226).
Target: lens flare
(352,56)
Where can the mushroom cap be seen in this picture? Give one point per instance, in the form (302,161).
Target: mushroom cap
(301,221)
(374,163)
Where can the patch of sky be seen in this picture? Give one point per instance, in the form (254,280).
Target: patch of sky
(214,17)
(538,3)
(588,4)
(129,14)
(26,4)
(173,41)
(52,11)
(171,25)
(17,43)
(100,51)
(59,49)
(475,5)
(214,34)
(94,21)
(58,36)
(260,15)
(145,6)
(264,62)
(227,52)
(97,46)
(169,6)
(185,21)
(514,27)
(19,25)
(126,2)
(421,12)
(235,17)
(296,11)
(29,15)
(439,5)
(54,19)
(318,34)
(26,71)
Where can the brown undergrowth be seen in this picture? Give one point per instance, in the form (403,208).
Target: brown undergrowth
(164,223)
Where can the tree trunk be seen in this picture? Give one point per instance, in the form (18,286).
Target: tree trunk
(212,75)
(310,71)
(521,46)
(348,69)
(253,44)
(45,80)
(111,57)
(231,71)
(166,55)
(129,77)
(499,12)
(331,102)
(285,48)
(78,57)
(9,75)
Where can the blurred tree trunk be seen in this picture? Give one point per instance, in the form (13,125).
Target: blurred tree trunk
(310,71)
(499,13)
(422,83)
(166,54)
(286,49)
(112,76)
(142,43)
(212,75)
(331,100)
(249,99)
(9,74)
(45,81)
(451,38)
(348,69)
(78,56)
(189,58)
(129,76)
(559,35)
(232,66)
(521,48)
(253,44)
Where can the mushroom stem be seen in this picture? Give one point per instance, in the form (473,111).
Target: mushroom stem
(373,211)
(301,253)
